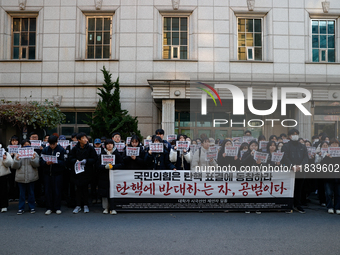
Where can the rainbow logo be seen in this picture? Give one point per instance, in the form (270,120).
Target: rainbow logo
(212,89)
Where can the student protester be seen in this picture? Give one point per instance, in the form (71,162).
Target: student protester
(160,133)
(46,138)
(13,186)
(117,138)
(26,174)
(273,138)
(135,162)
(104,175)
(53,175)
(332,186)
(158,161)
(295,156)
(181,159)
(261,138)
(223,159)
(283,136)
(247,133)
(94,182)
(301,140)
(87,155)
(69,191)
(279,146)
(248,157)
(6,162)
(272,147)
(200,157)
(243,149)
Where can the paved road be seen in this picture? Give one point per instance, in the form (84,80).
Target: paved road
(315,232)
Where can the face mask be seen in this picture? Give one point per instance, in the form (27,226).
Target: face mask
(327,141)
(295,137)
(316,140)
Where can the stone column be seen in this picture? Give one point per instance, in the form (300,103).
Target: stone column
(168,117)
(304,122)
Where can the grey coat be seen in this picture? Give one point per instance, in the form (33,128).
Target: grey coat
(27,169)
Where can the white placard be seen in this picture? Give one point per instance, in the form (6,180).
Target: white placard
(132,151)
(311,152)
(263,145)
(36,144)
(98,150)
(147,142)
(261,156)
(277,156)
(237,139)
(79,167)
(237,144)
(334,152)
(13,148)
(231,151)
(324,152)
(156,147)
(108,159)
(120,146)
(182,145)
(26,152)
(64,143)
(50,158)
(170,138)
(73,143)
(128,140)
(248,139)
(211,155)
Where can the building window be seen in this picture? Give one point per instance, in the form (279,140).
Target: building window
(24,38)
(249,39)
(175,37)
(98,41)
(323,40)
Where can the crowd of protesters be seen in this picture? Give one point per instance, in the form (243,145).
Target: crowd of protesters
(48,181)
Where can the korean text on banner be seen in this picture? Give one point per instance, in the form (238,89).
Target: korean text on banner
(13,148)
(26,152)
(261,156)
(108,159)
(277,156)
(36,144)
(79,167)
(182,145)
(132,151)
(156,147)
(231,151)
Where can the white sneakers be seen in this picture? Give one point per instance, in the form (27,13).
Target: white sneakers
(48,212)
(330,210)
(113,212)
(337,211)
(3,209)
(58,212)
(106,211)
(86,209)
(77,209)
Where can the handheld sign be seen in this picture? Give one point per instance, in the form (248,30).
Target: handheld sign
(73,143)
(241,153)
(13,148)
(79,168)
(211,155)
(324,152)
(277,156)
(156,147)
(248,139)
(98,150)
(231,151)
(50,158)
(120,146)
(193,148)
(311,152)
(128,140)
(2,152)
(182,145)
(64,143)
(334,152)
(261,156)
(26,152)
(263,146)
(237,144)
(132,151)
(147,142)
(237,139)
(170,138)
(108,159)
(35,144)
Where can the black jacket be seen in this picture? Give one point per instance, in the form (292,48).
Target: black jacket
(295,154)
(78,153)
(54,169)
(138,163)
(104,174)
(248,159)
(158,161)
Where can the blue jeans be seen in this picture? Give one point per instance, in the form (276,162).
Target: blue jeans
(22,196)
(332,187)
(53,187)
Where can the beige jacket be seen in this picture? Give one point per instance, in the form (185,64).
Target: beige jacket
(27,169)
(5,165)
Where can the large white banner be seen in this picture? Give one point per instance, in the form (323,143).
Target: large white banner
(186,184)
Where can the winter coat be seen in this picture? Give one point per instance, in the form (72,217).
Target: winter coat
(248,159)
(104,174)
(138,163)
(158,161)
(27,169)
(5,165)
(78,153)
(295,154)
(182,161)
(199,160)
(226,161)
(54,169)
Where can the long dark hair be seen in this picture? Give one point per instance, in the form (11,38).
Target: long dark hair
(270,143)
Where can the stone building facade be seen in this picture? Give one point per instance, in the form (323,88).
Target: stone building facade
(55,49)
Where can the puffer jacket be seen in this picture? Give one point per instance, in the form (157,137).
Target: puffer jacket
(198,160)
(5,165)
(27,169)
